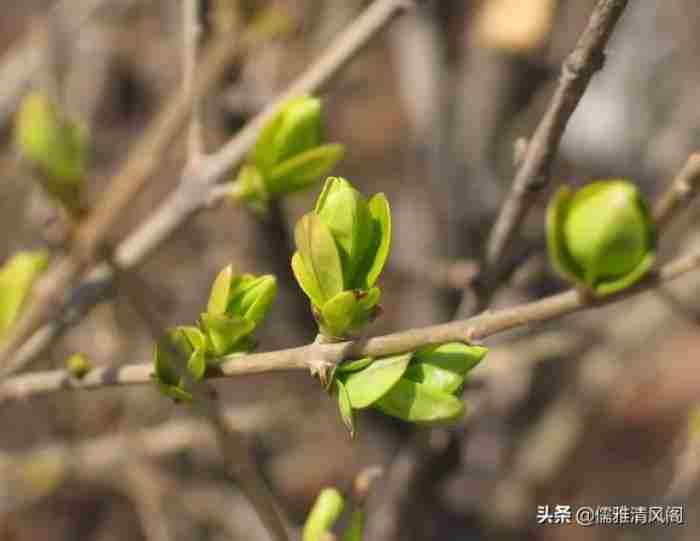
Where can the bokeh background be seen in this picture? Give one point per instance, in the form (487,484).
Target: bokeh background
(594,409)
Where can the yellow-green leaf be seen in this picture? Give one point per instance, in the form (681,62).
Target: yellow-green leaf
(317,269)
(369,385)
(220,291)
(379,251)
(303,170)
(346,411)
(224,332)
(418,403)
(17,276)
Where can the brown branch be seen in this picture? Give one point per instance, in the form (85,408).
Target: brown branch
(679,193)
(238,462)
(123,187)
(534,171)
(191,35)
(299,358)
(191,196)
(97,456)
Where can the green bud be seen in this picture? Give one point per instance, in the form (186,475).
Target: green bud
(78,365)
(251,297)
(288,156)
(189,343)
(55,146)
(325,512)
(17,276)
(602,236)
(444,367)
(341,249)
(237,305)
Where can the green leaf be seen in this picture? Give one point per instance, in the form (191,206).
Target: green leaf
(196,364)
(438,379)
(366,306)
(224,332)
(300,129)
(252,297)
(317,267)
(220,291)
(381,244)
(165,371)
(195,337)
(369,385)
(339,313)
(343,209)
(303,170)
(249,188)
(264,154)
(17,276)
(443,367)
(355,529)
(354,366)
(325,512)
(53,144)
(174,392)
(454,356)
(556,243)
(346,411)
(614,286)
(418,403)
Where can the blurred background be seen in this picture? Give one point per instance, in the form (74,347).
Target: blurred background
(594,409)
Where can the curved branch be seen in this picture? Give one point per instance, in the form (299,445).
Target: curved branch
(472,329)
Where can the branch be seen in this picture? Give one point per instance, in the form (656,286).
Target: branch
(193,194)
(95,457)
(680,192)
(191,34)
(123,187)
(238,462)
(534,172)
(472,329)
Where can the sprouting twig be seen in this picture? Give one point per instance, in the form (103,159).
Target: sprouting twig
(191,35)
(472,329)
(534,171)
(680,192)
(238,462)
(191,196)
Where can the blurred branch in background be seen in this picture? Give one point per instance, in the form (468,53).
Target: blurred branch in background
(32,474)
(193,192)
(299,358)
(20,64)
(533,174)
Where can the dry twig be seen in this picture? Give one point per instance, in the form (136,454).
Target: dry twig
(534,172)
(472,329)
(192,195)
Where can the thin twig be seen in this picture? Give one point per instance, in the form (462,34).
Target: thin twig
(680,191)
(191,196)
(126,184)
(191,34)
(21,63)
(238,462)
(534,172)
(470,330)
(97,456)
